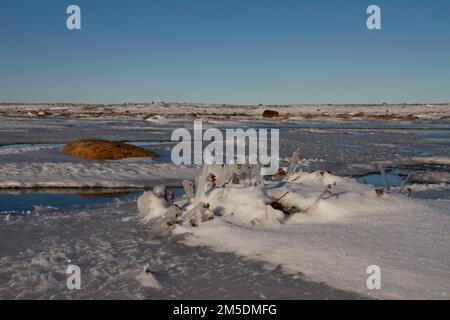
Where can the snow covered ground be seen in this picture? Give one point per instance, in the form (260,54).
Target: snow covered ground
(29,157)
(112,247)
(321,255)
(131,173)
(334,240)
(161,111)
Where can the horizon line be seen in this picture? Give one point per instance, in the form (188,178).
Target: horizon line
(223,104)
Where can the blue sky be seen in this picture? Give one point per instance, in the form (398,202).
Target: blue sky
(225,51)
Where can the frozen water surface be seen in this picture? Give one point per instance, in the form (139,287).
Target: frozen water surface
(111,246)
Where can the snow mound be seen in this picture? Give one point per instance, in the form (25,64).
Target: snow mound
(237,194)
(329,228)
(248,205)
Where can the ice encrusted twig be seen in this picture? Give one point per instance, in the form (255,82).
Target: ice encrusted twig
(293,164)
(325,192)
(188,187)
(383,175)
(405,183)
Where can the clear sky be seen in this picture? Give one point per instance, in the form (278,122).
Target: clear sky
(225,51)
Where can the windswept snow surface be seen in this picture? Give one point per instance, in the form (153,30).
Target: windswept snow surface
(134,173)
(12,149)
(113,248)
(340,237)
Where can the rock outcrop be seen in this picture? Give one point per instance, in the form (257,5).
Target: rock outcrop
(270,114)
(95,149)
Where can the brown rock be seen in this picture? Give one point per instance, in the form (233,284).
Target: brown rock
(270,114)
(105,150)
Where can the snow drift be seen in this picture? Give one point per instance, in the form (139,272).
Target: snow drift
(131,172)
(329,228)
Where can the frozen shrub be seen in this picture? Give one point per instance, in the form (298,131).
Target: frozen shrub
(219,176)
(200,213)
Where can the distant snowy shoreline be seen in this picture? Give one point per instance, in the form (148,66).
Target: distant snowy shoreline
(161,111)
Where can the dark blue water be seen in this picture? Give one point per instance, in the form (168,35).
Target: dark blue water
(439,136)
(375,179)
(26,201)
(433,139)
